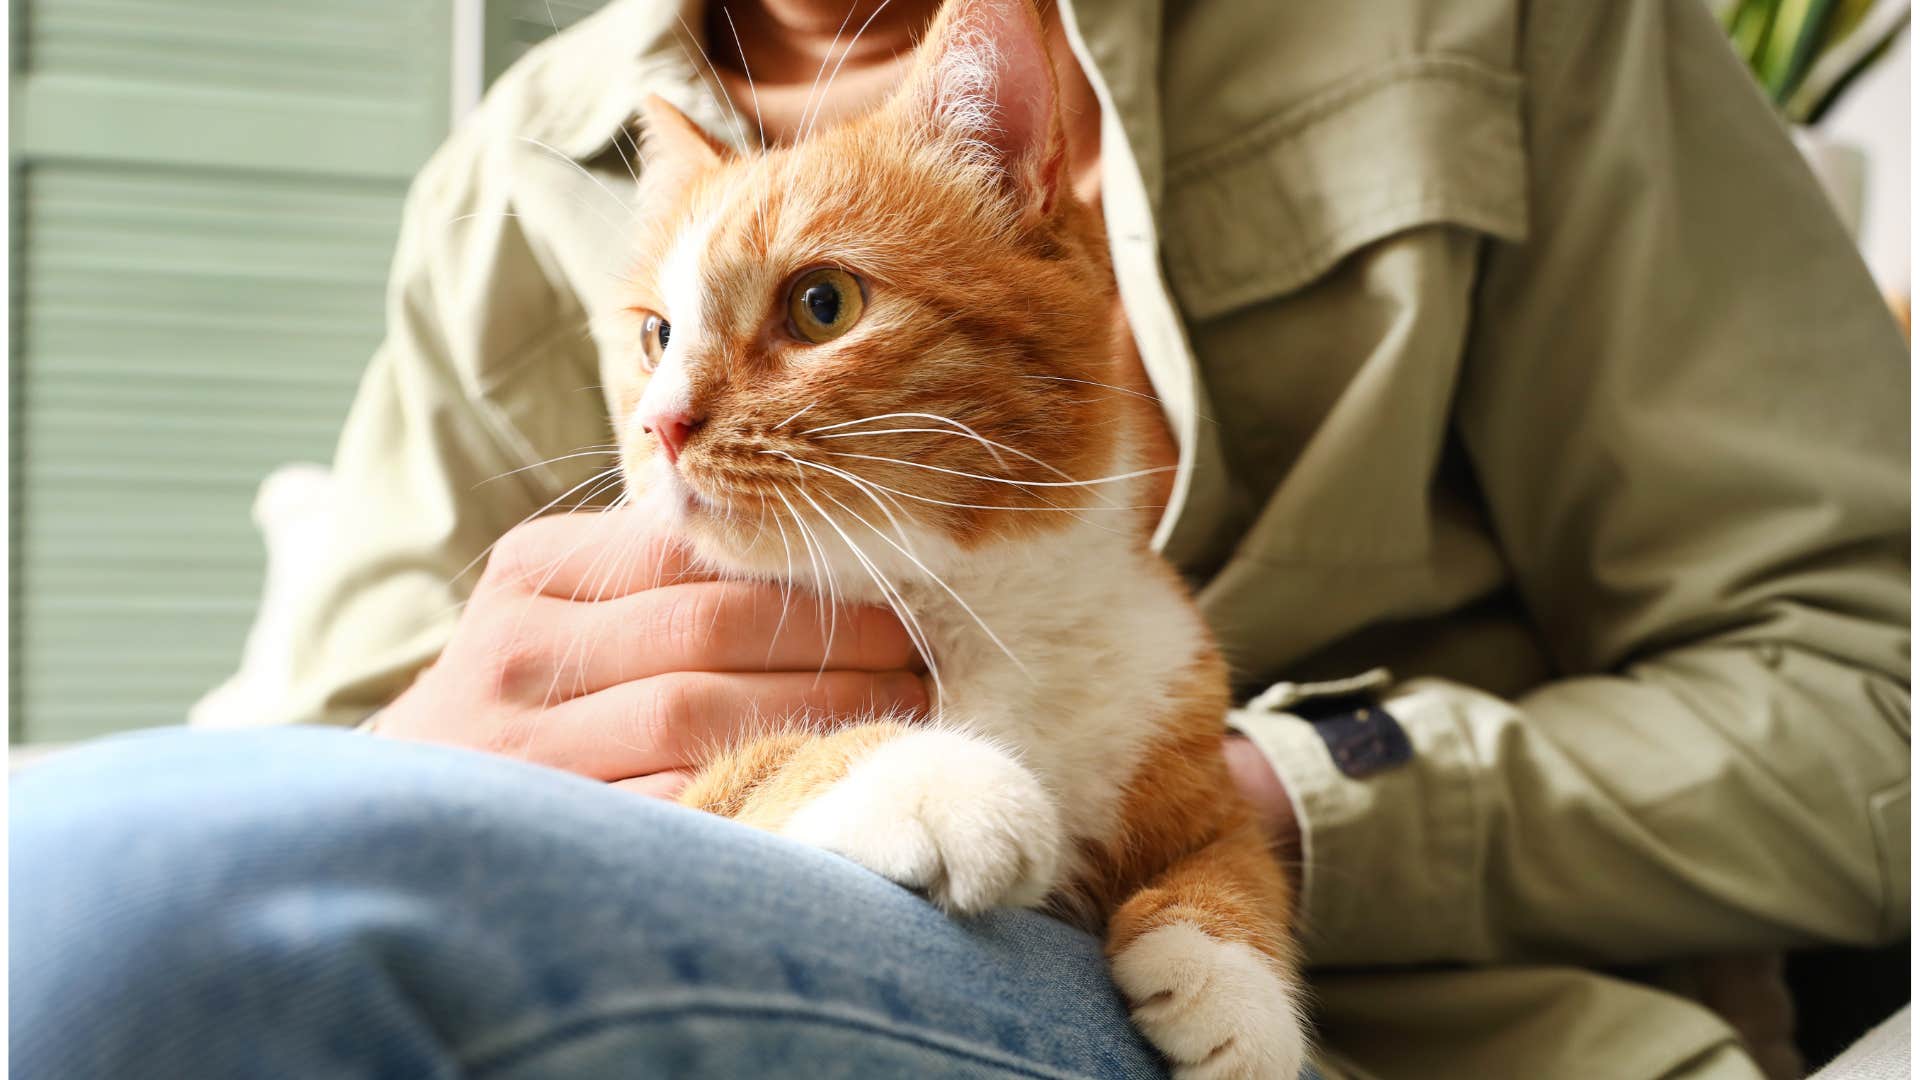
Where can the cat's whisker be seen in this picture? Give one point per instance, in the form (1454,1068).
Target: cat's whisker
(533,731)
(600,592)
(874,493)
(796,416)
(635,540)
(860,485)
(991,447)
(1050,507)
(817,557)
(555,24)
(458,218)
(984,441)
(807,124)
(758,122)
(890,592)
(594,479)
(786,583)
(577,640)
(760,527)
(1109,386)
(595,451)
(1090,382)
(561,560)
(833,589)
(716,88)
(930,500)
(824,59)
(937,580)
(1115,479)
(581,169)
(626,162)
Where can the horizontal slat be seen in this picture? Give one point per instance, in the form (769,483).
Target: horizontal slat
(388,55)
(92,118)
(181,334)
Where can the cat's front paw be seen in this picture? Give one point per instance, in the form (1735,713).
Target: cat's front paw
(945,813)
(1217,1009)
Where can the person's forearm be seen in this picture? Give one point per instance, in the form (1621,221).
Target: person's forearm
(1719,798)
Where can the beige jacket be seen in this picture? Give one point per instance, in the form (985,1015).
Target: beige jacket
(1509,346)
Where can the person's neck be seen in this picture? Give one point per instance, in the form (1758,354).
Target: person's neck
(793,50)
(805,54)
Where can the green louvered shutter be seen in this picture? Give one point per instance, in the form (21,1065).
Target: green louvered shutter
(206,194)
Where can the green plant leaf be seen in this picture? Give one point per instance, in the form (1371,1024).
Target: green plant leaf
(1846,59)
(1808,43)
(1789,18)
(1748,24)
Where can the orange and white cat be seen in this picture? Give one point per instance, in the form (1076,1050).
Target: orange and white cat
(879,364)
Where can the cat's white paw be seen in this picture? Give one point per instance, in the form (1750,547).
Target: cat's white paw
(945,813)
(1216,1009)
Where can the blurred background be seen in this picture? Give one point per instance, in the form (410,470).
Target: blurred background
(205,195)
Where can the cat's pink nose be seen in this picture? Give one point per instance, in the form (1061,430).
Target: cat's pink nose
(673,428)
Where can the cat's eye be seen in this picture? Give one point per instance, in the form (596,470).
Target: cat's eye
(823,304)
(655,332)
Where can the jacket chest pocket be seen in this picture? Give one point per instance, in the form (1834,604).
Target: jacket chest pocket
(1324,262)
(1423,141)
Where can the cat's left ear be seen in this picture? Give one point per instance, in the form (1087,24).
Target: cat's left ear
(984,86)
(676,148)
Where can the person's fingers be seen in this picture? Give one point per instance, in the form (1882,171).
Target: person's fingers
(595,555)
(660,785)
(672,721)
(708,626)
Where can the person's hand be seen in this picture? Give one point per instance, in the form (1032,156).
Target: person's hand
(1261,786)
(589,648)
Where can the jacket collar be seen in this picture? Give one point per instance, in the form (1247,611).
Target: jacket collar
(1120,39)
(580,92)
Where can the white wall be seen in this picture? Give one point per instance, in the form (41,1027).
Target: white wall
(1876,115)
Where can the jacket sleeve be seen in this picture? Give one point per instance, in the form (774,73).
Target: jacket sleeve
(1686,407)
(477,380)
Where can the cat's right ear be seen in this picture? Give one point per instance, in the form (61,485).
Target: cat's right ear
(676,149)
(984,84)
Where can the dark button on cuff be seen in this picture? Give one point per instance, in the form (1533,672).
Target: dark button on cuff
(1363,740)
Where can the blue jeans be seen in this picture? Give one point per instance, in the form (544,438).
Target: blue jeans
(318,903)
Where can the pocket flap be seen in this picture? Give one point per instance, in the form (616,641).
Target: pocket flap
(1433,140)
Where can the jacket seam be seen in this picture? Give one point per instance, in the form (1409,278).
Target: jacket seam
(1403,216)
(1892,912)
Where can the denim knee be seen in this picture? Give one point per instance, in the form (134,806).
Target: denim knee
(242,904)
(408,893)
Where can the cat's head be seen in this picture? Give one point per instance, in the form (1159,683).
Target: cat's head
(903,324)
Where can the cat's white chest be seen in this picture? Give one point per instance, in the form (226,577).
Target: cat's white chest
(1102,641)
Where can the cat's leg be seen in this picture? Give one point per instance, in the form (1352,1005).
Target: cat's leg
(1202,955)
(931,808)
(729,781)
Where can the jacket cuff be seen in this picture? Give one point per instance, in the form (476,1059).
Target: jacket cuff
(1391,858)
